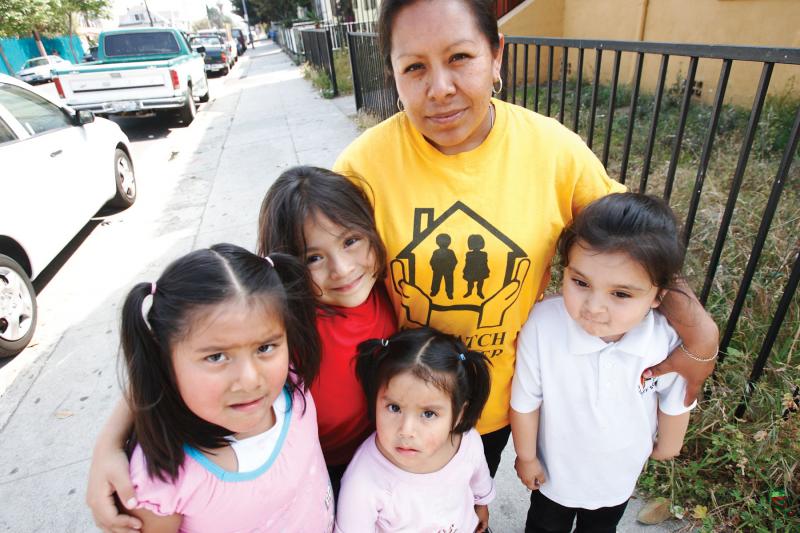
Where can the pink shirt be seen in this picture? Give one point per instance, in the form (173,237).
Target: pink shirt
(378,496)
(290,492)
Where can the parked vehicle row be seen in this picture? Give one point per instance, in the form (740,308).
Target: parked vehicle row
(39,69)
(215,53)
(59,167)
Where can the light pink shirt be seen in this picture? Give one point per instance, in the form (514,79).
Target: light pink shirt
(290,492)
(377,496)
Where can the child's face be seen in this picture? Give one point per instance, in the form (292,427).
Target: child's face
(607,294)
(341,262)
(413,419)
(232,364)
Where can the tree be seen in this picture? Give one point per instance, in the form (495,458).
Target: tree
(265,11)
(66,11)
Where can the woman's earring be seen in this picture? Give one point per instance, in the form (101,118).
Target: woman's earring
(400,105)
(495,92)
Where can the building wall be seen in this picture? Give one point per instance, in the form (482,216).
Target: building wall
(738,22)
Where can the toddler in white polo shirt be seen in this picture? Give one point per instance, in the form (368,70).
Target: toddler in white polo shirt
(583,420)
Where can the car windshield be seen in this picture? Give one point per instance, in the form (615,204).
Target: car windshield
(206,41)
(137,44)
(36,62)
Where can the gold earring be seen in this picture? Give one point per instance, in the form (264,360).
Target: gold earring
(400,105)
(495,92)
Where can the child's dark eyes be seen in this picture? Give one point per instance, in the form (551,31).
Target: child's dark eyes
(580,282)
(458,57)
(266,348)
(429,415)
(216,358)
(620,294)
(393,408)
(350,241)
(312,259)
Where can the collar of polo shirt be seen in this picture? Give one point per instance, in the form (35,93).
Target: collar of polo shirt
(633,342)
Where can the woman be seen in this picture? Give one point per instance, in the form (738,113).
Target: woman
(459,163)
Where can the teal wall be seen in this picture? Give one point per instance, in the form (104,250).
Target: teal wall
(20,49)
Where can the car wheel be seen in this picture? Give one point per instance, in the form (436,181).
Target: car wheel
(226,70)
(187,113)
(125,179)
(17,308)
(206,97)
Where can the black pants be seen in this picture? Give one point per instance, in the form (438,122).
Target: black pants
(493,444)
(547,516)
(335,473)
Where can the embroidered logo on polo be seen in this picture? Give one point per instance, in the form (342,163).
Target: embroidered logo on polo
(445,269)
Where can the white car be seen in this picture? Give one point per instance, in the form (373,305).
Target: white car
(37,70)
(58,167)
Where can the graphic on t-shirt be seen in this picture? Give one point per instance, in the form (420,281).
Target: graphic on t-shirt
(432,256)
(443,264)
(476,266)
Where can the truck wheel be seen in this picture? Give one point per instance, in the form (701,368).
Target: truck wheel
(206,97)
(226,70)
(17,308)
(125,179)
(187,113)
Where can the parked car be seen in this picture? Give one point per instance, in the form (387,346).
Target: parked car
(37,69)
(214,52)
(241,40)
(138,71)
(230,44)
(59,167)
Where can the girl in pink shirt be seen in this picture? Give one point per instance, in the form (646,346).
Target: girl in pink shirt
(225,432)
(423,469)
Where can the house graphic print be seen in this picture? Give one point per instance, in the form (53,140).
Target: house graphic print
(458,257)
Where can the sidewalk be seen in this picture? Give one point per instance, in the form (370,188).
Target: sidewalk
(266,119)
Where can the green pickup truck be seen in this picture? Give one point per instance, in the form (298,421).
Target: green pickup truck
(138,71)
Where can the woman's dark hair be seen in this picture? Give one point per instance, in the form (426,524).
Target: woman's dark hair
(302,192)
(638,225)
(208,277)
(482,11)
(433,357)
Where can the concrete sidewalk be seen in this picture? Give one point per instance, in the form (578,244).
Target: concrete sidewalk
(266,119)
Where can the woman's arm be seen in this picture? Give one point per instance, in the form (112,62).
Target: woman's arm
(671,430)
(109,474)
(700,337)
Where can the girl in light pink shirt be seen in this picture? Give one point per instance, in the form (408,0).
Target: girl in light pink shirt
(225,433)
(423,469)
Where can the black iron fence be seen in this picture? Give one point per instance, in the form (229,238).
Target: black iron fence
(651,141)
(319,52)
(339,31)
(375,93)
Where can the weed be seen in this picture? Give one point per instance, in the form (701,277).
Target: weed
(320,79)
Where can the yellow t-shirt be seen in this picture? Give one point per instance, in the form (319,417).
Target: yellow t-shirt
(472,235)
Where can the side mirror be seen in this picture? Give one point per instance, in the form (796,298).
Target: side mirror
(201,50)
(82,117)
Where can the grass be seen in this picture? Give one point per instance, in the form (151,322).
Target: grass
(344,75)
(730,468)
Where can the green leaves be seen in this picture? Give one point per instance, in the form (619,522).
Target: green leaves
(21,17)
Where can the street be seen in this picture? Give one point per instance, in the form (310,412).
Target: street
(196,186)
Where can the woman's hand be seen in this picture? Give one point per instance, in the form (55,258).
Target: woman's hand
(109,475)
(483,518)
(531,473)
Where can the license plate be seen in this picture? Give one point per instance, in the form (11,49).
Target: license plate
(125,106)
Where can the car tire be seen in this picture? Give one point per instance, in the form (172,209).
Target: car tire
(206,97)
(18,308)
(187,113)
(125,180)
(226,70)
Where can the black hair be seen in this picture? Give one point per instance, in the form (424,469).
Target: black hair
(189,285)
(303,191)
(641,226)
(433,357)
(482,11)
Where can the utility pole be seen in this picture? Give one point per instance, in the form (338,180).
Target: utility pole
(247,21)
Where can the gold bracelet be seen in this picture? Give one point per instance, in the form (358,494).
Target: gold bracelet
(690,355)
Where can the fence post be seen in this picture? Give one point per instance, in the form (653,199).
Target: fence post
(332,72)
(351,45)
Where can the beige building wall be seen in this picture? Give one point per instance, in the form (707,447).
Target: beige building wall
(736,22)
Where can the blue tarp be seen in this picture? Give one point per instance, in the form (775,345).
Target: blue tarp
(20,49)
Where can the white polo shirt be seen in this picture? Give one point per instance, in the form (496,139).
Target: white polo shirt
(597,421)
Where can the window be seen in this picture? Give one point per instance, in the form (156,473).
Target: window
(137,44)
(35,113)
(6,135)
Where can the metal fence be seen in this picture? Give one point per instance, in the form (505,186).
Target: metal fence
(374,91)
(289,40)
(528,65)
(339,31)
(319,52)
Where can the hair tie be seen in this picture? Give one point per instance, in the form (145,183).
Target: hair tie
(152,288)
(384,342)
(268,259)
(462,357)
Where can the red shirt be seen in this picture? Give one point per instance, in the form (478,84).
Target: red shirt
(341,406)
